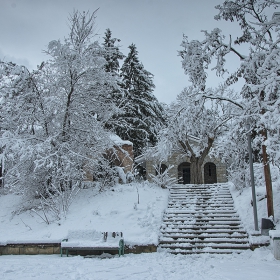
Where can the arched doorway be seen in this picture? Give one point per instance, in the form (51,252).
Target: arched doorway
(210,174)
(184,173)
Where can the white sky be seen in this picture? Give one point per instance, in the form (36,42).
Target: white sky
(154,26)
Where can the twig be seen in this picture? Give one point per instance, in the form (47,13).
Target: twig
(45,220)
(26,224)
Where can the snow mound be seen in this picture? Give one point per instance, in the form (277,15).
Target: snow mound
(114,210)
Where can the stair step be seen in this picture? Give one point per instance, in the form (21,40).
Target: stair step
(201,225)
(180,222)
(203,236)
(196,197)
(205,241)
(206,212)
(198,203)
(202,219)
(214,246)
(187,218)
(200,192)
(190,195)
(204,200)
(207,250)
(179,219)
(207,231)
(204,229)
(191,215)
(201,205)
(201,208)
(189,186)
(203,251)
(210,223)
(203,193)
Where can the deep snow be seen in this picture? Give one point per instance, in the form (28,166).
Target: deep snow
(117,209)
(257,265)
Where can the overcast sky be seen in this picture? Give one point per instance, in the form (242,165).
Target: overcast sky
(156,28)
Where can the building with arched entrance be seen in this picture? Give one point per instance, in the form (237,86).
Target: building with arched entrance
(213,169)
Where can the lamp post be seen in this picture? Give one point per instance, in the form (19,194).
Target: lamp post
(252,178)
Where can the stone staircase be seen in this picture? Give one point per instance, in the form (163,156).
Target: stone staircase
(202,219)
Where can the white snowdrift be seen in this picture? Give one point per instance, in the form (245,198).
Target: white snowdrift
(115,209)
(257,265)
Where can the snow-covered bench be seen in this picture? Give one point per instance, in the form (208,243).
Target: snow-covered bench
(91,240)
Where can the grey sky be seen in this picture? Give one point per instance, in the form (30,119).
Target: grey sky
(154,26)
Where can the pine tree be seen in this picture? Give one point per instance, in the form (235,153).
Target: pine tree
(143,113)
(112,53)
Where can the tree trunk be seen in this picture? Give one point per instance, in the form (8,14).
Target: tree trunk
(196,162)
(267,177)
(196,170)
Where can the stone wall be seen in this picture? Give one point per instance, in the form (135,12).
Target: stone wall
(30,249)
(54,248)
(120,156)
(124,157)
(176,159)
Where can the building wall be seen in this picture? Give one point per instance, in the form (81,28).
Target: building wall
(176,159)
(124,157)
(120,156)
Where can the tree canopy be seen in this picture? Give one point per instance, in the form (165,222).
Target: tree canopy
(259,69)
(52,118)
(142,112)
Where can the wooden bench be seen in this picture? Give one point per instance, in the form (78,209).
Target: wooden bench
(90,240)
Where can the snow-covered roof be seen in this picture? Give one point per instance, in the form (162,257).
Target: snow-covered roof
(140,159)
(118,141)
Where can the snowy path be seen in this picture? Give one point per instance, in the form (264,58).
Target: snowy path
(259,264)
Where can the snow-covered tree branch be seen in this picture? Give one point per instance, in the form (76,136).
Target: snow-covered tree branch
(53,118)
(259,69)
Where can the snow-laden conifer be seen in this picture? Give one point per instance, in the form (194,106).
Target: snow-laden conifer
(143,112)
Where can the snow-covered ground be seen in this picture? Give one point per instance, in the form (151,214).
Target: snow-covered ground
(117,209)
(257,265)
(243,204)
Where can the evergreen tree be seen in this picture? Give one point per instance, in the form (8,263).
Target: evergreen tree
(143,117)
(112,53)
